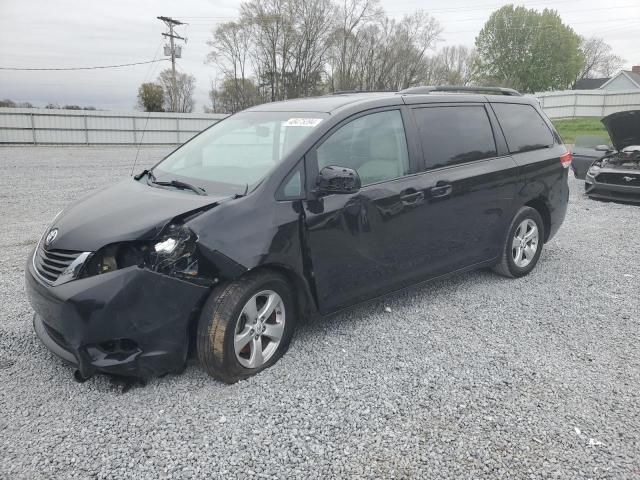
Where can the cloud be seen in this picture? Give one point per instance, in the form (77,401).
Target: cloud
(71,33)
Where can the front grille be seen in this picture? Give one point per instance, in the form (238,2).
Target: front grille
(619,179)
(51,263)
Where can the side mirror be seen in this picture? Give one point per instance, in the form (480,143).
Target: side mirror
(603,148)
(334,179)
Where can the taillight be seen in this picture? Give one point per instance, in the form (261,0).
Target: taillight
(565,159)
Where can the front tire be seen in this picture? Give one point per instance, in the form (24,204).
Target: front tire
(246,326)
(523,244)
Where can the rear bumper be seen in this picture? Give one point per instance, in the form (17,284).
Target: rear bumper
(606,191)
(131,322)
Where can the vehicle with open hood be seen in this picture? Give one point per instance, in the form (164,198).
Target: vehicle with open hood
(586,150)
(295,209)
(616,176)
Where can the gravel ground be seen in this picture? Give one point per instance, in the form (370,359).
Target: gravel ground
(473,377)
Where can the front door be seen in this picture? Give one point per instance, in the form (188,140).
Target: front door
(360,245)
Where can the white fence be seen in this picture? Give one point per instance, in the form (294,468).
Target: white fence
(588,103)
(91,127)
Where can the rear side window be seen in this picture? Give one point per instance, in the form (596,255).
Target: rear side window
(452,135)
(523,127)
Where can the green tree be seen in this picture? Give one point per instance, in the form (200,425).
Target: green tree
(528,50)
(150,97)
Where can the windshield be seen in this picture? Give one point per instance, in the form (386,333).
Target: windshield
(237,153)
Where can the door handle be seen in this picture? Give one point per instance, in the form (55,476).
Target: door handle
(412,198)
(441,191)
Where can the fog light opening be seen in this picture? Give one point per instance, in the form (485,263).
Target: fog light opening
(119,345)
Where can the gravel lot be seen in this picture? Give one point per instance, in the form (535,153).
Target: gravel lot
(473,377)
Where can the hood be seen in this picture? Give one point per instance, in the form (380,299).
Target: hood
(623,128)
(129,210)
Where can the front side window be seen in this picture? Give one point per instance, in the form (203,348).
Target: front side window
(453,135)
(523,127)
(237,153)
(374,145)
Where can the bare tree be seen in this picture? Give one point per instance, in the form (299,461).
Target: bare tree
(271,28)
(313,21)
(383,54)
(453,65)
(353,18)
(281,45)
(182,95)
(599,61)
(292,48)
(231,49)
(415,35)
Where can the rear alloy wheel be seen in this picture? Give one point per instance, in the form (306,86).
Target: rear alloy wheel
(523,244)
(246,326)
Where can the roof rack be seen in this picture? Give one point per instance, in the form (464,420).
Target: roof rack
(453,89)
(349,92)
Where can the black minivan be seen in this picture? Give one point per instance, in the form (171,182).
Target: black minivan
(293,209)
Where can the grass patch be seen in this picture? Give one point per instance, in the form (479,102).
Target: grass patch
(569,128)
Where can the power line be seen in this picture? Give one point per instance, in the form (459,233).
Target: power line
(450,9)
(82,68)
(152,66)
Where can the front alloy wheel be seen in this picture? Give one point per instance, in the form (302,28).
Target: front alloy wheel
(246,326)
(259,329)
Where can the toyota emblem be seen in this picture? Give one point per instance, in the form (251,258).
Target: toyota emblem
(51,236)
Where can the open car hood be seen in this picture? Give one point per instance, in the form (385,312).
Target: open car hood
(623,128)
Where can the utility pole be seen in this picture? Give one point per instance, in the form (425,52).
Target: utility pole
(171,23)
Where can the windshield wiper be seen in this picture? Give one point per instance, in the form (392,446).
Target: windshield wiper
(179,184)
(143,173)
(240,195)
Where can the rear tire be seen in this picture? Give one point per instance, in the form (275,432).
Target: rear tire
(523,245)
(246,326)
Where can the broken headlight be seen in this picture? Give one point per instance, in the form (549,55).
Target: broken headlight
(593,169)
(171,254)
(174,252)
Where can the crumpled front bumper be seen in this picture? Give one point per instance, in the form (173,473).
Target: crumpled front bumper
(131,322)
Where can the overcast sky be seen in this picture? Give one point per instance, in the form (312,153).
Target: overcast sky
(78,33)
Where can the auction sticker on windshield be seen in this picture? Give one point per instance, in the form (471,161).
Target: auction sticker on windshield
(302,122)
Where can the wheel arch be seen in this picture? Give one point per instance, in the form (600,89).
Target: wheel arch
(542,208)
(305,303)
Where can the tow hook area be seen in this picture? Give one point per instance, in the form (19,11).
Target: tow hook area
(79,377)
(85,370)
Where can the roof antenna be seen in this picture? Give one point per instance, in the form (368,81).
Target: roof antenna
(140,143)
